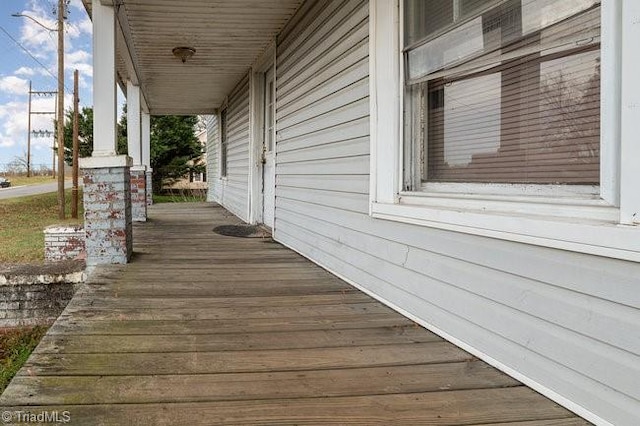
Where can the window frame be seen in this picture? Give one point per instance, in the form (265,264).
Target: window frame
(549,216)
(223,142)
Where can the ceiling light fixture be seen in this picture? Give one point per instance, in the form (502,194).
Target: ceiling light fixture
(183,53)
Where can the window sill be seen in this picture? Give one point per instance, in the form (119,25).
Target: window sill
(570,228)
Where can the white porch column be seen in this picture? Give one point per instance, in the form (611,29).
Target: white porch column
(134,143)
(145,120)
(134,137)
(107,185)
(104,80)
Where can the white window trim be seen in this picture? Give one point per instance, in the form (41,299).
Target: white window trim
(603,225)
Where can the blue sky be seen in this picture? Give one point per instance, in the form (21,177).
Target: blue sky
(17,68)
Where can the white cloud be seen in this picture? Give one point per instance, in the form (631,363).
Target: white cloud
(86,26)
(82,61)
(14,85)
(25,71)
(13,130)
(40,40)
(78,56)
(14,118)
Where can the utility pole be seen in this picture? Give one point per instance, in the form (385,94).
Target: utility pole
(39,133)
(54,146)
(29,135)
(61,15)
(74,191)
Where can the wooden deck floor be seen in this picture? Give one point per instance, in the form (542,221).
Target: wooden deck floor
(206,329)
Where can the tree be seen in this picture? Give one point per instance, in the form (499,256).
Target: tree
(174,146)
(18,165)
(85,134)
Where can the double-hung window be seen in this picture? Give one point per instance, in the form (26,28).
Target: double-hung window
(507,119)
(502,92)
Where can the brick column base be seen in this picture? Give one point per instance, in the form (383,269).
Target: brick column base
(107,209)
(149,186)
(139,193)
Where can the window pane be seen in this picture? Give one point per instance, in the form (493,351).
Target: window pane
(533,121)
(460,43)
(422,18)
(508,95)
(480,28)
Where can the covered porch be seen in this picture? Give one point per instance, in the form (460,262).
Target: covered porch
(167,58)
(206,329)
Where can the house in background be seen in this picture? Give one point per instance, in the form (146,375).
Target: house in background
(472,164)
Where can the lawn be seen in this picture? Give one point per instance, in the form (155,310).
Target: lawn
(15,347)
(179,197)
(22,221)
(33,180)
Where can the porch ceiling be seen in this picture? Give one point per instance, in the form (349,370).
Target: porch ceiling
(228,36)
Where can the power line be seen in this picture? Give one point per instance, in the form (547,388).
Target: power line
(29,53)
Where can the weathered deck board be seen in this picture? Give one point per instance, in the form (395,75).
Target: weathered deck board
(464,407)
(273,385)
(93,343)
(206,329)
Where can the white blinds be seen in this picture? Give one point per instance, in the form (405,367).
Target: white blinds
(523,107)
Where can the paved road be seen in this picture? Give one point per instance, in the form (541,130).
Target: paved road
(21,191)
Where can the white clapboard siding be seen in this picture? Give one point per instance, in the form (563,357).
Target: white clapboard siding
(565,321)
(232,191)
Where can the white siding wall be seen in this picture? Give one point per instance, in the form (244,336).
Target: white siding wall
(567,321)
(232,191)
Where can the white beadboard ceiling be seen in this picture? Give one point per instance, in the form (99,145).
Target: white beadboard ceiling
(228,35)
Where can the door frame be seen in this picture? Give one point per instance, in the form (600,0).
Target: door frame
(256,102)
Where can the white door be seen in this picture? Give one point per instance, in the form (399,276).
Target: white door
(269,151)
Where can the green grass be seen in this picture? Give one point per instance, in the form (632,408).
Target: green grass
(33,180)
(178,197)
(15,347)
(22,221)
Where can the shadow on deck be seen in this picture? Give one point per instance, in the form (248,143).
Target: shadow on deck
(205,329)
